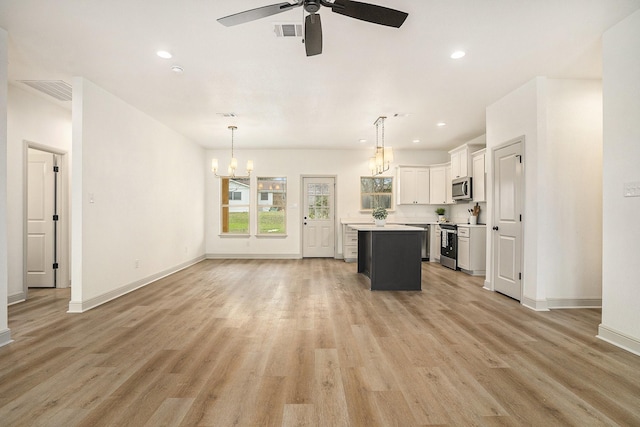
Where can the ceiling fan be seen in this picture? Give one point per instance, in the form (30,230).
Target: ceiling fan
(312,26)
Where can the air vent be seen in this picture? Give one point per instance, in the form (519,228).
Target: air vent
(287,30)
(227,114)
(58,89)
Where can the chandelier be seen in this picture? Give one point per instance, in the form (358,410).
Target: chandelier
(233,165)
(383,156)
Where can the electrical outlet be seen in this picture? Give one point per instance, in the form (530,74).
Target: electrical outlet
(631,189)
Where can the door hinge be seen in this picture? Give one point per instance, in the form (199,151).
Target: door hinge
(56,169)
(55,265)
(519,276)
(520,217)
(55,217)
(519,158)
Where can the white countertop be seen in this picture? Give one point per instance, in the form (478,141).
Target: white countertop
(399,221)
(387,227)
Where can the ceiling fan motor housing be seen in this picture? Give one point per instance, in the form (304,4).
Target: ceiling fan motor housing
(311,6)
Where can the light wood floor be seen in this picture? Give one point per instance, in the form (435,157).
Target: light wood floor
(304,342)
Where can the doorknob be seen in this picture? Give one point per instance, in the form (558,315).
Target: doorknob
(495,228)
(304,223)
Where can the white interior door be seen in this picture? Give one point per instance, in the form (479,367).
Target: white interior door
(40,224)
(507,222)
(318,230)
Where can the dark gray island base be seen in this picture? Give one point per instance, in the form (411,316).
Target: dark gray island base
(391,257)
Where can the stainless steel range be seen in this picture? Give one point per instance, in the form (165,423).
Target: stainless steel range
(449,245)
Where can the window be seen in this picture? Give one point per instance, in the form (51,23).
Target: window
(235,205)
(376,192)
(318,201)
(272,205)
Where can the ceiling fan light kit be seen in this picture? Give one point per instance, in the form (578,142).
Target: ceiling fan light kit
(312,24)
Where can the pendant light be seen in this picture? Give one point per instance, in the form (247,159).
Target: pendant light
(233,165)
(383,156)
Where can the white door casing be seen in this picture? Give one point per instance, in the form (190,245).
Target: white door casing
(507,220)
(318,223)
(40,224)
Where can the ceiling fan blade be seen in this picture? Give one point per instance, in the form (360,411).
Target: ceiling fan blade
(257,13)
(369,12)
(313,34)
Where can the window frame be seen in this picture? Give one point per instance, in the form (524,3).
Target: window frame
(224,217)
(280,205)
(373,195)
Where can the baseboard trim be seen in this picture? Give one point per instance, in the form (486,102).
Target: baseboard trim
(564,303)
(253,256)
(619,339)
(82,306)
(487,286)
(14,299)
(535,305)
(5,337)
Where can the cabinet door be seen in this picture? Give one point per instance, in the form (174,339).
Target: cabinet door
(436,243)
(406,186)
(460,163)
(463,252)
(479,179)
(437,188)
(422,186)
(448,190)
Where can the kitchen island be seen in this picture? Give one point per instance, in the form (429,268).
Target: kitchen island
(390,256)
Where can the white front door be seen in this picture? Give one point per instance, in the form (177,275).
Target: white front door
(318,229)
(507,220)
(40,224)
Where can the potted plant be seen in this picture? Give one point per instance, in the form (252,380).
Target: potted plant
(440,212)
(380,216)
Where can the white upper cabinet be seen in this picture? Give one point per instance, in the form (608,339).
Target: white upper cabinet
(459,162)
(461,158)
(479,175)
(413,185)
(438,184)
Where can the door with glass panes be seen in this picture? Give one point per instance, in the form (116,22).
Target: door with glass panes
(318,229)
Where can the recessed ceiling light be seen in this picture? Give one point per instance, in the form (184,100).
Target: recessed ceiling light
(164,54)
(177,69)
(416,141)
(458,54)
(440,124)
(362,141)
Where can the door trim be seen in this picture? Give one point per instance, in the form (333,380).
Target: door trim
(514,141)
(335,212)
(62,244)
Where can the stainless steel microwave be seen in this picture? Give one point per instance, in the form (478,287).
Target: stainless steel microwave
(461,188)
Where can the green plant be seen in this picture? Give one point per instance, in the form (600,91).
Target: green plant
(440,211)
(380,213)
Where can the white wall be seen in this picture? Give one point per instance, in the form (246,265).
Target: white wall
(138,194)
(621,225)
(5,333)
(571,160)
(347,165)
(511,117)
(561,121)
(34,120)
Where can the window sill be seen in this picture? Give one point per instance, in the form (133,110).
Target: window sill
(233,235)
(281,236)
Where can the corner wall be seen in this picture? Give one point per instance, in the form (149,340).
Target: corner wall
(621,226)
(5,333)
(561,121)
(32,119)
(138,198)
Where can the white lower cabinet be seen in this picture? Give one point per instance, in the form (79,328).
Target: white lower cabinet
(472,250)
(434,243)
(349,244)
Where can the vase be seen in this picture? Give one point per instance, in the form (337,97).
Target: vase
(473,219)
(380,222)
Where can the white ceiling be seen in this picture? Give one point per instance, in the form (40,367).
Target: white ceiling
(284,99)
